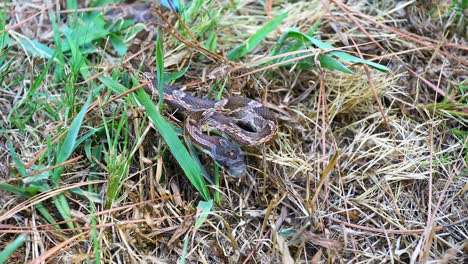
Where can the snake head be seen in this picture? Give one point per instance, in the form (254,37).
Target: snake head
(229,156)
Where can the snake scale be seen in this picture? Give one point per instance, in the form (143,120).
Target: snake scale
(217,127)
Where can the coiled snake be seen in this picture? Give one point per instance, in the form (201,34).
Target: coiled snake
(217,127)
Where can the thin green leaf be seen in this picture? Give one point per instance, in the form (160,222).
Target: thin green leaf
(347,57)
(72,4)
(59,67)
(62,206)
(193,153)
(217,196)
(69,145)
(203,209)
(188,165)
(14,189)
(256,38)
(183,255)
(42,176)
(313,29)
(43,211)
(19,164)
(169,77)
(5,65)
(332,64)
(212,41)
(118,44)
(32,47)
(5,41)
(299,36)
(85,34)
(95,236)
(160,66)
(91,196)
(115,86)
(287,233)
(291,33)
(12,247)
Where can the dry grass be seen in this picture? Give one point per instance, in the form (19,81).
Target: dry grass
(366,168)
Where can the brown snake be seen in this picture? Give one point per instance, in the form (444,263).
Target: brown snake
(217,127)
(233,120)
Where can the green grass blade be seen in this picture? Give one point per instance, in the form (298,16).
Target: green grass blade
(43,211)
(203,209)
(188,165)
(183,255)
(193,153)
(14,189)
(211,42)
(64,152)
(95,236)
(11,248)
(326,62)
(217,195)
(19,164)
(4,38)
(330,63)
(169,77)
(347,57)
(69,143)
(118,44)
(90,196)
(32,47)
(256,38)
(160,66)
(118,162)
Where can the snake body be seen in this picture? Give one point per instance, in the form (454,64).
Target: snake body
(217,127)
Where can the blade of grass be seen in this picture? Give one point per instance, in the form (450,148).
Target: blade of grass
(183,255)
(19,165)
(203,209)
(330,63)
(299,36)
(69,144)
(217,195)
(11,248)
(188,165)
(239,51)
(32,47)
(160,66)
(95,235)
(64,152)
(193,153)
(4,40)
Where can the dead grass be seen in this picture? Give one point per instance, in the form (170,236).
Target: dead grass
(366,168)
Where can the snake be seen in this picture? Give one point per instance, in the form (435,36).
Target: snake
(218,127)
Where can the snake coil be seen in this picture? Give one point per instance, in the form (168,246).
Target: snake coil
(218,127)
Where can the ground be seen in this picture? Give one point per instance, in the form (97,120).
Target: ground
(369,164)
